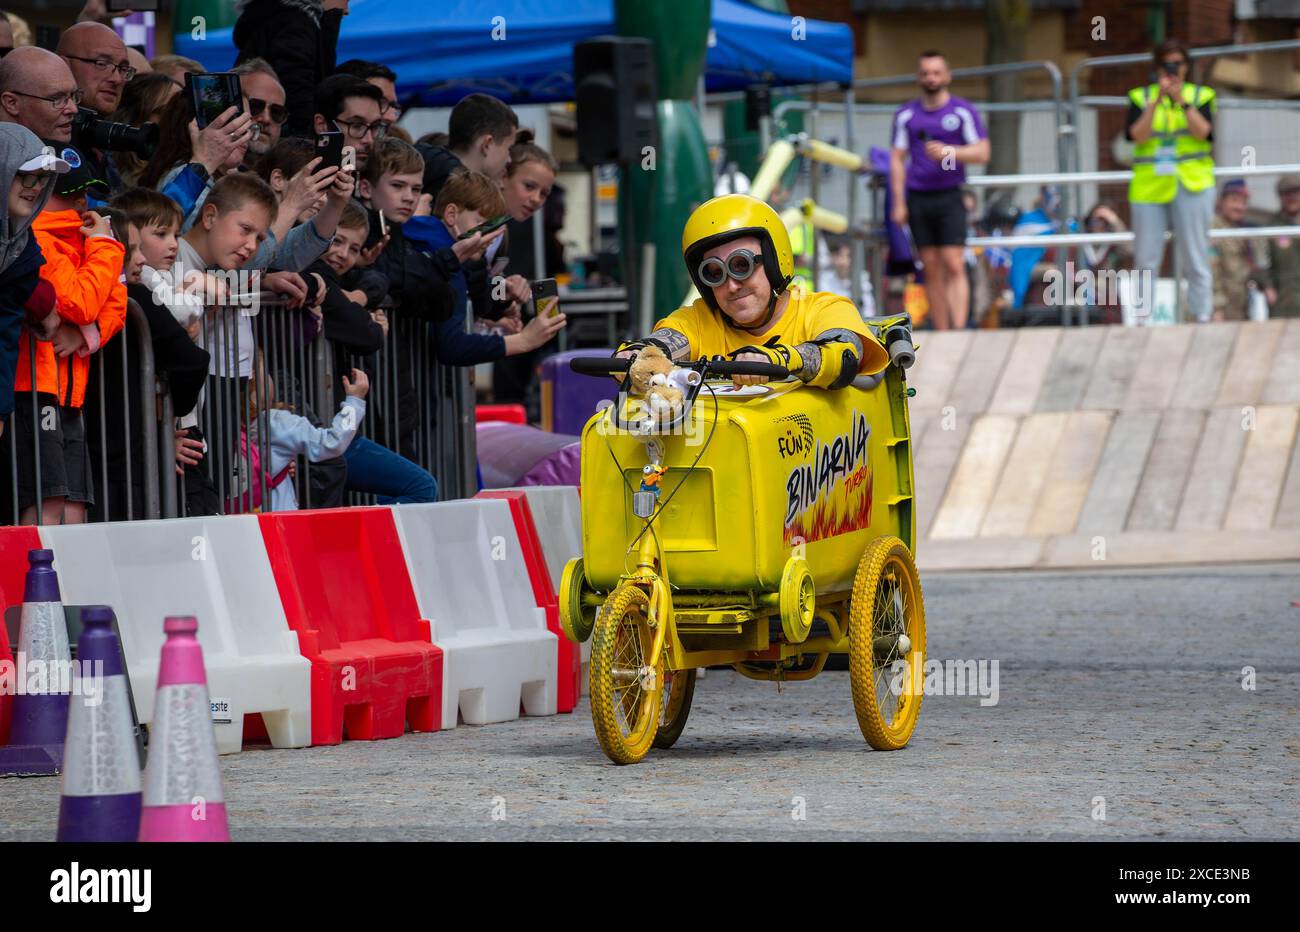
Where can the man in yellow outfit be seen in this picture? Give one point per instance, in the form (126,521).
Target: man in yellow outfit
(738,254)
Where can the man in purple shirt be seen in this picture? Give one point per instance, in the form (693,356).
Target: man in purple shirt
(935,137)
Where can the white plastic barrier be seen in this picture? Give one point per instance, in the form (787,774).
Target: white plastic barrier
(217,570)
(471,583)
(557,514)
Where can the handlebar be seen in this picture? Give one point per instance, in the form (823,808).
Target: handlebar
(599,365)
(609,365)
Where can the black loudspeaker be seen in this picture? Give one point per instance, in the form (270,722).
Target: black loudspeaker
(758,104)
(615,88)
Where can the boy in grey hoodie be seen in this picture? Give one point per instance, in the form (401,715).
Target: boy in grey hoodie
(27,171)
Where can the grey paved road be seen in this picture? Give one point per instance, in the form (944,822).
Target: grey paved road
(1125,686)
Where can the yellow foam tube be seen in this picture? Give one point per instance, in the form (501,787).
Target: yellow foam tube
(779,156)
(823,219)
(820,151)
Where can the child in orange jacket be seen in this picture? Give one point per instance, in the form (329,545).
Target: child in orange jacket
(83,261)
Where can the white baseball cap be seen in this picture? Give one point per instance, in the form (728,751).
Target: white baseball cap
(46,161)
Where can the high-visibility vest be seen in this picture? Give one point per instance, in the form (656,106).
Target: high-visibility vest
(1171,155)
(801,244)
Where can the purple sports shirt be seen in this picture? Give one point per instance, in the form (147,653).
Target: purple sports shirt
(956,123)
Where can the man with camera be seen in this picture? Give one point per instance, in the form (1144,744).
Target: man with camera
(1171,120)
(98,59)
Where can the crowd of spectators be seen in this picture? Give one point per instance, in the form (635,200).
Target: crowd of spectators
(395,237)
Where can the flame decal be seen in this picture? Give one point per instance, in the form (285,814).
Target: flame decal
(827,518)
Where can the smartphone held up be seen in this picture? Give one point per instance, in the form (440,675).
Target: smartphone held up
(211,95)
(329,146)
(546,297)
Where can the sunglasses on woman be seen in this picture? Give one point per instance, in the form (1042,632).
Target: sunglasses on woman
(279,113)
(715,270)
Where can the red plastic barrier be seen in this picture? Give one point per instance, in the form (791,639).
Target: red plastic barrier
(344,585)
(15,542)
(511,414)
(569,665)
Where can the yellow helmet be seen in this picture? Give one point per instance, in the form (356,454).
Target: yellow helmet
(729,217)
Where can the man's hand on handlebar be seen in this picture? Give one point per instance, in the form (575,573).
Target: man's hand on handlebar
(739,380)
(626,354)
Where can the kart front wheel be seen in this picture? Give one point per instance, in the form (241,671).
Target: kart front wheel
(678,693)
(887,644)
(626,689)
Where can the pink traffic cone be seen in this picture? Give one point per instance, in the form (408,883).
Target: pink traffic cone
(182,780)
(43,675)
(101,766)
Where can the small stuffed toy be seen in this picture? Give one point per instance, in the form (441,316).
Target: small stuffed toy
(660,383)
(649,362)
(664,398)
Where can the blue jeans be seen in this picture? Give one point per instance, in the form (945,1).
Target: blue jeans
(377,470)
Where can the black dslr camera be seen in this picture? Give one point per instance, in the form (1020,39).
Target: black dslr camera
(90,132)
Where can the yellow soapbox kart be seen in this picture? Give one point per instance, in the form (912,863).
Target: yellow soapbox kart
(764,526)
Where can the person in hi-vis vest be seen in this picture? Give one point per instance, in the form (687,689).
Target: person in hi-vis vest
(1172,122)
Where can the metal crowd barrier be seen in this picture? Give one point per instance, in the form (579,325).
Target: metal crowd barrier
(99,395)
(415,407)
(429,420)
(438,435)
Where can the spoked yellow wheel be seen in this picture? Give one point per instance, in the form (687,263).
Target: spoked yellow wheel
(626,690)
(677,696)
(886,644)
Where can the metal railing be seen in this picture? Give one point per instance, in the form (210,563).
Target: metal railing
(851,107)
(1138,58)
(114,488)
(415,405)
(1066,102)
(1067,240)
(1048,240)
(1077,101)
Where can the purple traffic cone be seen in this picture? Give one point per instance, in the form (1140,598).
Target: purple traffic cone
(183,800)
(43,666)
(101,767)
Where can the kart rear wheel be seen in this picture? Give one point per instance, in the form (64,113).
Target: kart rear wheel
(798,601)
(887,644)
(576,619)
(626,692)
(678,693)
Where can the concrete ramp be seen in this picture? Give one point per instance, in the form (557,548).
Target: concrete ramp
(1103,446)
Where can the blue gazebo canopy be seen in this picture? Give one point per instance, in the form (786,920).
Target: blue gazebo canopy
(522,50)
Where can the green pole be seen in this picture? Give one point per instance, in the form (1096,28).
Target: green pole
(658,192)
